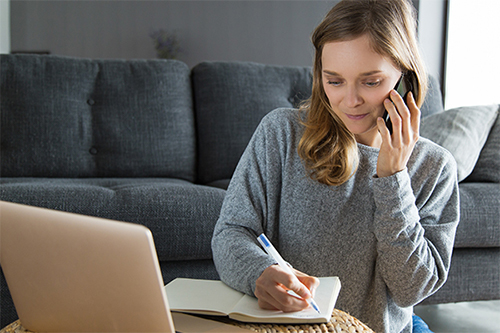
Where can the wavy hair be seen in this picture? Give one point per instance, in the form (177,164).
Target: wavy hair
(328,148)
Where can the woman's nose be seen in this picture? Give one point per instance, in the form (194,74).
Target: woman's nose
(352,97)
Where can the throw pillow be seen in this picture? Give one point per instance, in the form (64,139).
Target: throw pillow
(487,168)
(462,131)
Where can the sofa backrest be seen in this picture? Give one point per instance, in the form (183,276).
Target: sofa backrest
(68,117)
(231,98)
(73,117)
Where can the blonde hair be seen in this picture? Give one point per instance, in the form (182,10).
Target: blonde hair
(328,148)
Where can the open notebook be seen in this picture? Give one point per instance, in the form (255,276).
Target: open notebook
(217,299)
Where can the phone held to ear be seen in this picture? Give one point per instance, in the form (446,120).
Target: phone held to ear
(407,83)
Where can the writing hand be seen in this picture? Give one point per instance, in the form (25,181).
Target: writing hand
(274,282)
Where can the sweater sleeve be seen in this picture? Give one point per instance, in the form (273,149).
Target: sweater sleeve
(415,223)
(245,213)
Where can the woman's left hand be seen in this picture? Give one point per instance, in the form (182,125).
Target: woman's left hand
(396,149)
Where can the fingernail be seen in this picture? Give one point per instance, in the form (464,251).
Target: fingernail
(387,101)
(394,93)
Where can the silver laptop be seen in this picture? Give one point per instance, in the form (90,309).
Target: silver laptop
(75,273)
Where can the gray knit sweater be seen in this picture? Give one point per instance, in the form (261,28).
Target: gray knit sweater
(389,240)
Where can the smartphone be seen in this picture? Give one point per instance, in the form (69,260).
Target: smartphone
(407,83)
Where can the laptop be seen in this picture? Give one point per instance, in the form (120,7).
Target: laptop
(74,273)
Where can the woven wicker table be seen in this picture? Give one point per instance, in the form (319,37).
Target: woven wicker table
(340,322)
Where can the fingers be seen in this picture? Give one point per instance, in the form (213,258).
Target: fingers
(395,120)
(396,149)
(415,113)
(272,286)
(405,118)
(269,302)
(310,282)
(384,131)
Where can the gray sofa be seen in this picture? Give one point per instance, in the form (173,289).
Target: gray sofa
(155,143)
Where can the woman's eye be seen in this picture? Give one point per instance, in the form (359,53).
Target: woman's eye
(334,83)
(372,83)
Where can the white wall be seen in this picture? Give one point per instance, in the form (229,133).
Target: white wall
(4,26)
(432,35)
(473,69)
(274,32)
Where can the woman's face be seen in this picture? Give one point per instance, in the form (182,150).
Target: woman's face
(356,81)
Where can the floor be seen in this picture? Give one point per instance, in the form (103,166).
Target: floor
(469,317)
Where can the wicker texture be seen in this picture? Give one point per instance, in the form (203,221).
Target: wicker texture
(340,322)
(15,327)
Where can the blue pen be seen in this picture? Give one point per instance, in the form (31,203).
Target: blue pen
(266,244)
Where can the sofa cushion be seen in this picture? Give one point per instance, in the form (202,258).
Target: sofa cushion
(181,215)
(479,216)
(463,131)
(473,276)
(230,99)
(69,117)
(487,168)
(433,102)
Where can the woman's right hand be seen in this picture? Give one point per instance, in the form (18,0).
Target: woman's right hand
(272,285)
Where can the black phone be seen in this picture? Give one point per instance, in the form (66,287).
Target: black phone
(407,82)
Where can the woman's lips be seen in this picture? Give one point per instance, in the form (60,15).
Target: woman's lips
(356,117)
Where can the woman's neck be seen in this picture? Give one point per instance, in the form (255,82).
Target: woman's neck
(370,138)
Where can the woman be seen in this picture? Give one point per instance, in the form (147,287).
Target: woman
(335,191)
